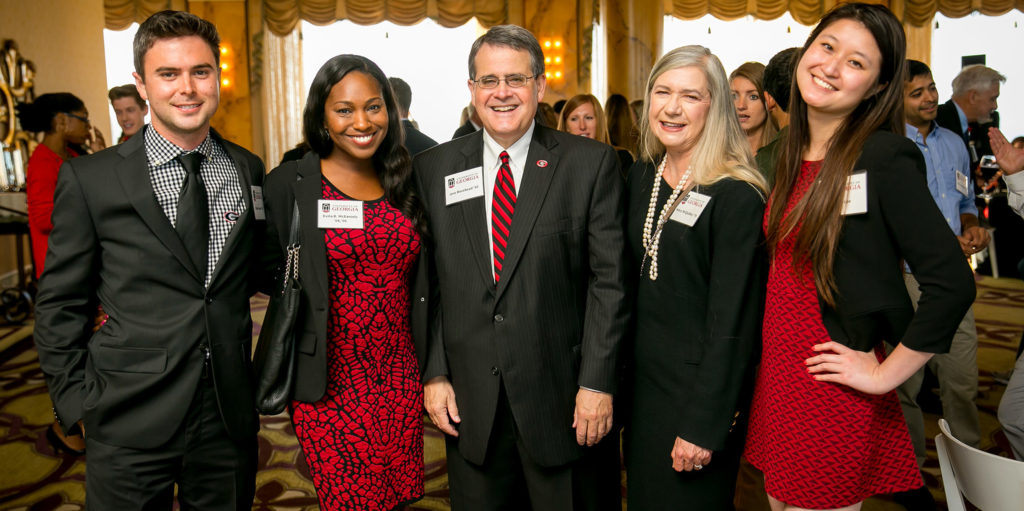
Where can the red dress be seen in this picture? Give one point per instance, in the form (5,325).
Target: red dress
(820,445)
(363,439)
(40,185)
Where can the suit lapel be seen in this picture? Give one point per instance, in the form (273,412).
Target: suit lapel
(474,214)
(245,181)
(529,199)
(308,190)
(133,174)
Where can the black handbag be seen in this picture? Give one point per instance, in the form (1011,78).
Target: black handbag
(274,360)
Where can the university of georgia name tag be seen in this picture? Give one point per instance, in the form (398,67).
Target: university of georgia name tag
(855,201)
(339,214)
(462,186)
(257,203)
(689,210)
(962,183)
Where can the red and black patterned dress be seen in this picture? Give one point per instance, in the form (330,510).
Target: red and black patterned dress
(820,445)
(363,439)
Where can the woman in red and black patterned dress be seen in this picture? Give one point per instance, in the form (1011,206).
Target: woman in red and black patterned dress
(358,408)
(850,204)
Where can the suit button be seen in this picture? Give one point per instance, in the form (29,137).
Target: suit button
(209,299)
(422,299)
(494,371)
(498,318)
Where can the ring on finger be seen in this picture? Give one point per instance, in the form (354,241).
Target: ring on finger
(697,466)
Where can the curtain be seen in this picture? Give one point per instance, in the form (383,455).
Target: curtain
(808,12)
(120,14)
(282,94)
(283,15)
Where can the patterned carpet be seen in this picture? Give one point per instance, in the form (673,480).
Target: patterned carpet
(34,478)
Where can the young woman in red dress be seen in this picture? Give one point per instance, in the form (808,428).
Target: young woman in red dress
(850,204)
(358,408)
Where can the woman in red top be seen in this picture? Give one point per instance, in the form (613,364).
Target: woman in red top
(850,203)
(64,122)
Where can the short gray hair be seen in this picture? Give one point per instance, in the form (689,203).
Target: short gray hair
(976,77)
(509,36)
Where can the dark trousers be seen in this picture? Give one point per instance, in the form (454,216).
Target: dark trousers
(510,481)
(212,471)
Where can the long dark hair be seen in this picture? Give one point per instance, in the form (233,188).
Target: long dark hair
(819,208)
(391,162)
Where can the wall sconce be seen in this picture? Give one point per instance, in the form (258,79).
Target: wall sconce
(227,67)
(554,59)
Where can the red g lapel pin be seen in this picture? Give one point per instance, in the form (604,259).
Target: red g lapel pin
(542,163)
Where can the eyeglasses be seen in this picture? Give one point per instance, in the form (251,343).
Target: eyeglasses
(76,116)
(514,81)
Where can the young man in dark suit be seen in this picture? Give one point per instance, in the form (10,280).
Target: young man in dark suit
(415,140)
(529,259)
(161,232)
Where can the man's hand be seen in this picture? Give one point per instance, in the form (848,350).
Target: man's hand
(973,240)
(439,400)
(592,417)
(687,456)
(1009,158)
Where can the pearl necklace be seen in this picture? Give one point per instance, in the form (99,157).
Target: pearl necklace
(651,240)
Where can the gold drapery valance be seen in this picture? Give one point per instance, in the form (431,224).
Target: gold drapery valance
(808,12)
(281,16)
(120,14)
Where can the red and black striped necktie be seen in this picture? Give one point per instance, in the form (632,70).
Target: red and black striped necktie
(503,205)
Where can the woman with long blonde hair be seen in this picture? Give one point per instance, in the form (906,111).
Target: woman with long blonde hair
(694,225)
(752,105)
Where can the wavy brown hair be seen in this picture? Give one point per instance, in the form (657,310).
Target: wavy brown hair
(819,210)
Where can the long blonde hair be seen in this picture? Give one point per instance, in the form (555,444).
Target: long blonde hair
(722,151)
(601,132)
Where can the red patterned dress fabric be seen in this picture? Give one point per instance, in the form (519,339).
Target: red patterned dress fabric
(820,445)
(364,439)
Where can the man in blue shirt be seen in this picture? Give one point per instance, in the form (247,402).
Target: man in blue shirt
(948,181)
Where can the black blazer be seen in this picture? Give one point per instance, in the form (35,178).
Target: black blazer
(134,379)
(464,130)
(698,327)
(948,118)
(555,320)
(902,223)
(301,181)
(415,140)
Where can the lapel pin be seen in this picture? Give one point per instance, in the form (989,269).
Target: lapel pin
(542,163)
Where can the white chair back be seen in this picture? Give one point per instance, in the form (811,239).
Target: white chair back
(990,482)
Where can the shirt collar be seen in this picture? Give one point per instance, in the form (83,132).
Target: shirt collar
(159,150)
(914,134)
(517,152)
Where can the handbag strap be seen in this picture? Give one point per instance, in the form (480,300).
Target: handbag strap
(291,265)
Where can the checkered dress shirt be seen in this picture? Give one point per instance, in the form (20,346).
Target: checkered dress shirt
(223,190)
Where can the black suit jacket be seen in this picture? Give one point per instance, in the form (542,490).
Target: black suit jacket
(464,130)
(133,380)
(948,118)
(301,181)
(555,320)
(415,141)
(902,223)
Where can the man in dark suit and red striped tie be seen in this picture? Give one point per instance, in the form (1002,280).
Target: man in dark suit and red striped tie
(528,261)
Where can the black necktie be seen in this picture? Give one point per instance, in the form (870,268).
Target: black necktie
(192,222)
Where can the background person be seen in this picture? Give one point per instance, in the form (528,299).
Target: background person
(415,140)
(753,106)
(698,305)
(835,286)
(972,109)
(358,400)
(583,116)
(129,108)
(622,130)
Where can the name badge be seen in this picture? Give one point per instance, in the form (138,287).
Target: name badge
(855,201)
(339,214)
(257,203)
(962,183)
(690,208)
(462,186)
